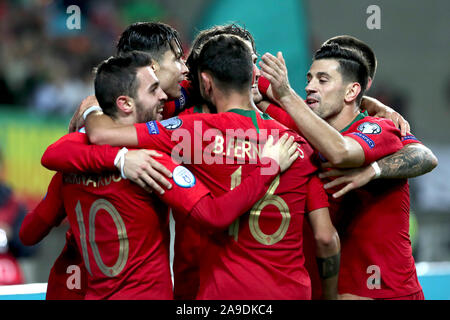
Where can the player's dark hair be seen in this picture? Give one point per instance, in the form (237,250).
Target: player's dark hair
(116,76)
(229,61)
(352,65)
(350,42)
(152,37)
(201,39)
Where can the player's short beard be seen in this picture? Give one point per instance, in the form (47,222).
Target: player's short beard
(141,115)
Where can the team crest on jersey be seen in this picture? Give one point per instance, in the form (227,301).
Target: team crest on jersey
(183,177)
(369,128)
(172,123)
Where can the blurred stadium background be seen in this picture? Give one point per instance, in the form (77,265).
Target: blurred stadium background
(46,70)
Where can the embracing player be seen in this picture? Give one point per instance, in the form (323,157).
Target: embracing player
(373,221)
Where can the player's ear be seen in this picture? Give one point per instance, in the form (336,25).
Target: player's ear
(352,91)
(125,104)
(369,83)
(207,82)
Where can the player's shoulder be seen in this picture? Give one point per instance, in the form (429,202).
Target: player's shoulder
(273,124)
(372,125)
(78,136)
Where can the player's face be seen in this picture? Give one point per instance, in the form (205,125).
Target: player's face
(257,97)
(171,71)
(150,97)
(325,90)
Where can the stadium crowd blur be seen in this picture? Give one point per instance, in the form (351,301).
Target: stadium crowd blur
(46,66)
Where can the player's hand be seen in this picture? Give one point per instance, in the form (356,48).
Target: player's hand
(349,296)
(77,120)
(377,109)
(350,178)
(284,152)
(141,168)
(275,70)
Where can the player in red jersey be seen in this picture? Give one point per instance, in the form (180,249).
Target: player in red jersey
(376,252)
(37,224)
(261,255)
(187,240)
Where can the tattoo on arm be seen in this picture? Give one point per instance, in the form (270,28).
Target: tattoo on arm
(411,161)
(328,267)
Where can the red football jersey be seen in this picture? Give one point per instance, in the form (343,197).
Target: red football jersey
(186,270)
(68,276)
(380,208)
(123,233)
(260,256)
(373,221)
(174,107)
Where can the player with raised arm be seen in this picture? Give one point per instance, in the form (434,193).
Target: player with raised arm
(370,220)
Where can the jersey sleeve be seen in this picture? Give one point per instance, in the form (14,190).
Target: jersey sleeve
(220,212)
(186,189)
(48,213)
(317,197)
(263,85)
(174,107)
(73,154)
(209,211)
(163,137)
(281,116)
(410,138)
(378,138)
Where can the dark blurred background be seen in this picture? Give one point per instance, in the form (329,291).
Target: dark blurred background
(46,70)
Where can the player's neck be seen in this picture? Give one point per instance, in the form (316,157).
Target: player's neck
(125,120)
(345,117)
(234,100)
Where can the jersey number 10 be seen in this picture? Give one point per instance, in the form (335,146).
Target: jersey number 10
(121,233)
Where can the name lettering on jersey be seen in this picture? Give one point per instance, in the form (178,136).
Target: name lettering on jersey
(95,181)
(212,146)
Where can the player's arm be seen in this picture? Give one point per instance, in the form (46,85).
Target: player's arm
(278,114)
(101,129)
(377,109)
(412,160)
(328,251)
(339,150)
(326,237)
(48,213)
(71,153)
(220,212)
(190,197)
